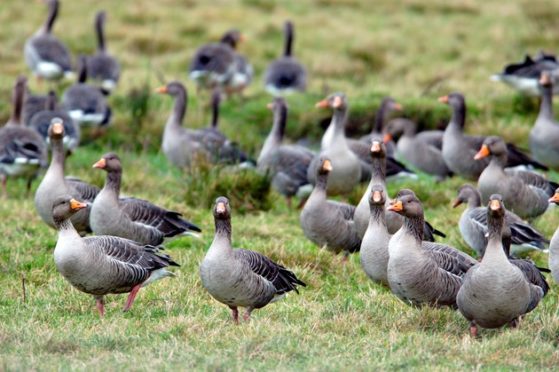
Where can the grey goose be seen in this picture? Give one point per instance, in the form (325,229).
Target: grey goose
(101,265)
(328,223)
(417,275)
(22,150)
(544,135)
(524,193)
(387,106)
(496,292)
(132,218)
(103,69)
(554,245)
(285,75)
(286,165)
(240,277)
(54,185)
(473,225)
(44,53)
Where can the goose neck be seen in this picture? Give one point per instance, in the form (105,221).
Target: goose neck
(414,227)
(179,109)
(57,163)
(495,248)
(112,183)
(287,52)
(458,118)
(53,12)
(99,29)
(378,215)
(546,106)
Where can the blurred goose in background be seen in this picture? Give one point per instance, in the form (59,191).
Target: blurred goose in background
(85,103)
(54,185)
(387,106)
(100,265)
(240,277)
(524,76)
(525,193)
(418,275)
(328,223)
(496,292)
(458,148)
(22,150)
(473,225)
(285,75)
(347,168)
(554,245)
(219,65)
(45,55)
(42,120)
(132,218)
(102,68)
(544,136)
(362,212)
(32,104)
(415,150)
(286,165)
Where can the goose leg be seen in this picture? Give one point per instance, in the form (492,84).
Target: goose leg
(235,314)
(100,304)
(132,296)
(514,323)
(4,180)
(29,182)
(288,200)
(246,315)
(473,329)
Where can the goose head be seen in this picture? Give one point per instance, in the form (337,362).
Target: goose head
(222,209)
(496,207)
(465,192)
(109,162)
(378,148)
(377,196)
(455,100)
(555,197)
(406,204)
(56,129)
(545,79)
(232,38)
(173,88)
(277,105)
(325,166)
(65,207)
(335,101)
(492,145)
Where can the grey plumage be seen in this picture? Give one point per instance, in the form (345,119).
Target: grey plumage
(102,68)
(544,135)
(239,277)
(554,245)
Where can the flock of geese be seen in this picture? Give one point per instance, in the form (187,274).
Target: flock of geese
(395,243)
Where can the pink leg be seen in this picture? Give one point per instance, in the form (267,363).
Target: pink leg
(100,303)
(473,329)
(235,314)
(246,315)
(132,296)
(288,202)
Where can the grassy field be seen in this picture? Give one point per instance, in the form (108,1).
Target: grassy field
(413,50)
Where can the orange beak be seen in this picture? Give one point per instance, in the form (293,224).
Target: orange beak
(102,163)
(76,205)
(545,79)
(161,90)
(396,206)
(57,128)
(443,99)
(376,196)
(482,153)
(220,207)
(242,38)
(270,106)
(554,198)
(327,165)
(337,102)
(375,147)
(495,205)
(456,203)
(398,107)
(322,104)
(387,138)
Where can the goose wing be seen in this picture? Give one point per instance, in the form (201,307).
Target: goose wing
(448,258)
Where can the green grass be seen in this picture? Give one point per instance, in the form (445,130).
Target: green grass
(413,50)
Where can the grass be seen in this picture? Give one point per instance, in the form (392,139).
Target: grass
(413,50)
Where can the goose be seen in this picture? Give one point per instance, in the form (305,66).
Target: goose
(495,292)
(416,275)
(473,225)
(240,277)
(41,122)
(45,55)
(420,153)
(132,218)
(100,265)
(362,211)
(286,165)
(54,185)
(347,168)
(85,103)
(387,106)
(22,150)
(32,104)
(327,223)
(544,136)
(554,245)
(219,65)
(102,68)
(285,75)
(525,193)
(458,148)
(524,76)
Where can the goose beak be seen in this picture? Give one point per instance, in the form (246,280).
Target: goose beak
(545,78)
(57,128)
(242,38)
(327,165)
(495,205)
(322,104)
(396,206)
(554,198)
(375,147)
(443,99)
(482,153)
(270,106)
(398,107)
(76,205)
(456,203)
(220,207)
(102,163)
(161,90)
(387,138)
(376,196)
(337,102)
